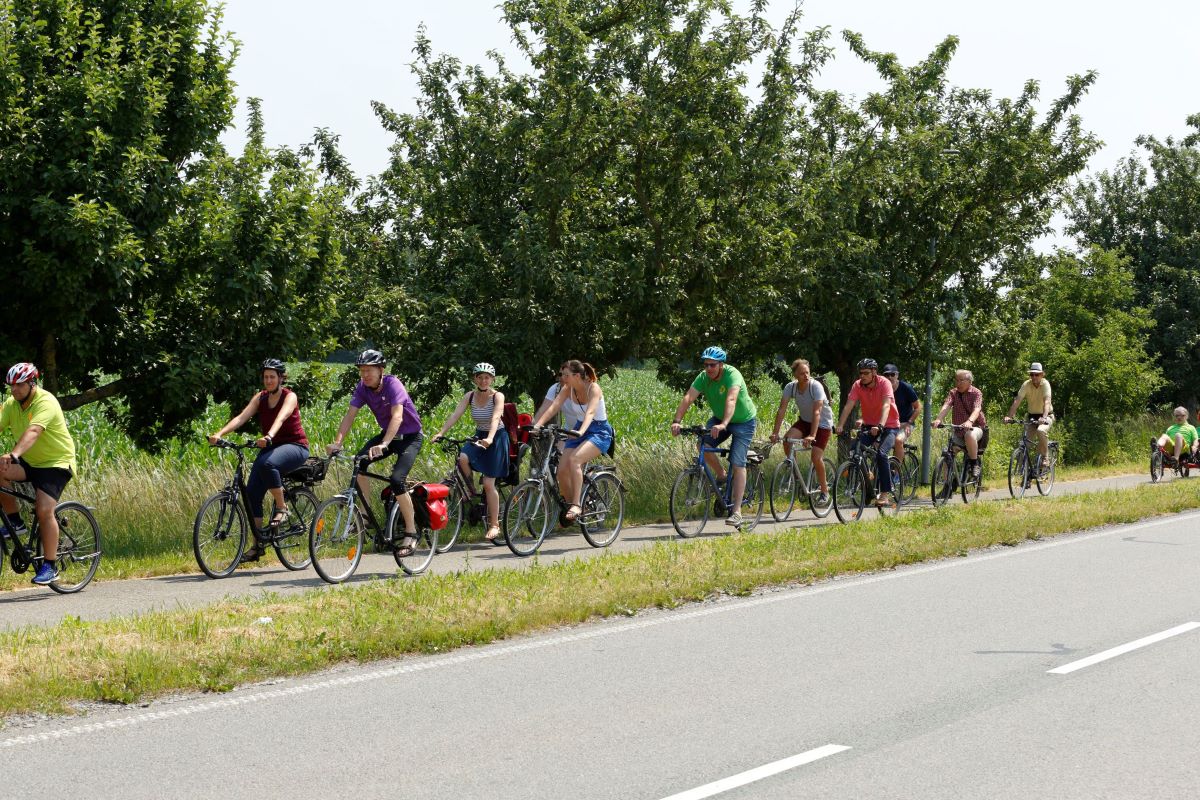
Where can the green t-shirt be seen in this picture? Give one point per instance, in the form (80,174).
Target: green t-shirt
(716,391)
(54,446)
(1187,429)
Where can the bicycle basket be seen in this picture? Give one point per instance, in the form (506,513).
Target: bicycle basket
(759,452)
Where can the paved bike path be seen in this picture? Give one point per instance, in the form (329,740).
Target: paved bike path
(105,599)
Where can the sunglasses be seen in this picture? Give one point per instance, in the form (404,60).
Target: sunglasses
(711,364)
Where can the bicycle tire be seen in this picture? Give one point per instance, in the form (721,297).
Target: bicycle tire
(941,483)
(603,514)
(783,490)
(912,471)
(335,540)
(1046,485)
(1018,472)
(79,547)
(216,543)
(814,490)
(691,499)
(970,488)
(756,487)
(1156,466)
(423,549)
(456,511)
(849,492)
(291,546)
(526,518)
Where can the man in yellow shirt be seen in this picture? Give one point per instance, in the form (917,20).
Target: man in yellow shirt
(1040,410)
(44,455)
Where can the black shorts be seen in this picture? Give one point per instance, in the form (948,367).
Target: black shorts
(405,448)
(51,480)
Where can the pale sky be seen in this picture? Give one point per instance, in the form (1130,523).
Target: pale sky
(317,63)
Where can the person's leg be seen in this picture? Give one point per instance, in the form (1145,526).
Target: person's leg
(714,463)
(406,449)
(797,431)
(493,502)
(10,474)
(582,456)
(971,441)
(47,525)
(1043,432)
(898,448)
(257,484)
(281,460)
(364,483)
(742,433)
(464,465)
(883,469)
(1178,445)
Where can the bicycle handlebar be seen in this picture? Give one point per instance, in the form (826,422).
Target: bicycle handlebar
(231,445)
(552,430)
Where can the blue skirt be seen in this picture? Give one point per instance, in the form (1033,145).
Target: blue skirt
(599,433)
(491,461)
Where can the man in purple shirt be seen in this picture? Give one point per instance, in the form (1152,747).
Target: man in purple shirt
(401,435)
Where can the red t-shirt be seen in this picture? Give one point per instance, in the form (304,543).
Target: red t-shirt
(871,398)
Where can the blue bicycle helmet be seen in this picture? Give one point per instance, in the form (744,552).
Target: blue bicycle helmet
(714,354)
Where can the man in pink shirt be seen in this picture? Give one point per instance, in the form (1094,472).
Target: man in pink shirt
(881,421)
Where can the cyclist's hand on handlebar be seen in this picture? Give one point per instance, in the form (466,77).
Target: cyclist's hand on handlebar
(937,423)
(875,430)
(716,430)
(1009,419)
(484,443)
(675,428)
(967,425)
(261,442)
(333,449)
(213,438)
(774,438)
(376,452)
(437,437)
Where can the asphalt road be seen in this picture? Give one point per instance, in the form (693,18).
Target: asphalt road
(103,599)
(927,682)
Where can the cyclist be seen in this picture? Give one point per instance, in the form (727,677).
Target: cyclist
(1039,409)
(811,404)
(488,455)
(551,393)
(733,414)
(1181,435)
(967,402)
(881,421)
(400,436)
(283,446)
(43,454)
(581,398)
(908,407)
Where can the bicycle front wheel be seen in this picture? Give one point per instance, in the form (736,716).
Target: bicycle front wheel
(423,548)
(942,482)
(78,547)
(849,492)
(1156,466)
(971,485)
(755,499)
(335,540)
(1045,476)
(526,518)
(912,471)
(820,508)
(219,535)
(456,509)
(1018,473)
(691,498)
(603,509)
(783,491)
(292,544)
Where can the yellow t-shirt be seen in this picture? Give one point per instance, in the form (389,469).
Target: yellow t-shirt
(54,446)
(1037,398)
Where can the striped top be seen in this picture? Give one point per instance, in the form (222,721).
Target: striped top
(482,416)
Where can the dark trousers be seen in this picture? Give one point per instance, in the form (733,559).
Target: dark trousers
(269,467)
(887,440)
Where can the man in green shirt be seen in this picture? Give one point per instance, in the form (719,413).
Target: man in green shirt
(733,414)
(1181,434)
(44,455)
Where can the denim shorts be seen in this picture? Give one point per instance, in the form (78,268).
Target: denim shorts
(742,433)
(599,433)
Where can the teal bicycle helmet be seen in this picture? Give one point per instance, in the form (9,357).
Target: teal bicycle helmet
(714,354)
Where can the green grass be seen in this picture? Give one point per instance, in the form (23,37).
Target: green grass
(146,503)
(216,648)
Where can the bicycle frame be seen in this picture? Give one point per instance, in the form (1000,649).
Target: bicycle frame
(237,486)
(22,555)
(358,467)
(804,446)
(703,449)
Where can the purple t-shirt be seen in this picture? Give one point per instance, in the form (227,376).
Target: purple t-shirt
(391,392)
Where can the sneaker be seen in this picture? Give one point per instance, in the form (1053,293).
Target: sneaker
(46,574)
(7,532)
(976,470)
(822,499)
(734,520)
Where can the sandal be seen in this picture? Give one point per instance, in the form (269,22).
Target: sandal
(493,535)
(281,516)
(255,552)
(573,512)
(405,550)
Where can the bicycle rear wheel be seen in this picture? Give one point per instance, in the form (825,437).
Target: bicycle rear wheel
(942,482)
(755,499)
(219,534)
(849,492)
(1018,472)
(79,547)
(820,509)
(691,498)
(1045,476)
(526,518)
(603,509)
(783,491)
(291,545)
(423,548)
(335,540)
(912,470)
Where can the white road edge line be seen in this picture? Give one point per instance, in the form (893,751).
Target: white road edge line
(591,632)
(1125,648)
(758,773)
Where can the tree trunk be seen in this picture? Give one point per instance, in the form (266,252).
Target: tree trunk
(50,363)
(95,394)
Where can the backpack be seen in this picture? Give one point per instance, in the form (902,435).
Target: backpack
(511,421)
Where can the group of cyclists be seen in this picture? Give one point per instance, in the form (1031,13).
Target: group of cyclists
(44,453)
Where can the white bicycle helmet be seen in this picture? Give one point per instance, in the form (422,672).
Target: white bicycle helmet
(21,373)
(483,366)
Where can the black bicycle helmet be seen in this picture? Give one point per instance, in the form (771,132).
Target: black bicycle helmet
(868,363)
(369,358)
(275,364)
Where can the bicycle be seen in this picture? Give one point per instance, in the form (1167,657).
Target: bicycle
(338,530)
(79,547)
(696,491)
(465,503)
(222,524)
(1160,456)
(911,467)
(948,477)
(789,483)
(527,511)
(1023,469)
(854,481)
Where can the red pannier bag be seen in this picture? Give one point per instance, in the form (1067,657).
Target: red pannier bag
(435,495)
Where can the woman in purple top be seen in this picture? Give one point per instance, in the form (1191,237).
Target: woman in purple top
(400,435)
